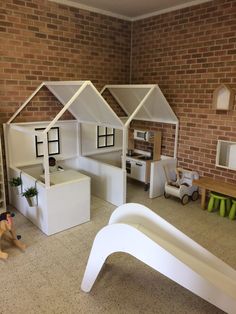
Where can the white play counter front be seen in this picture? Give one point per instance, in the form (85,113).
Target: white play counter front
(64,205)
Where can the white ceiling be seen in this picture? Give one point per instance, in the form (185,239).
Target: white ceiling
(131,9)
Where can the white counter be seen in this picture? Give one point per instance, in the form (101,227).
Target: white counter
(65,176)
(65,204)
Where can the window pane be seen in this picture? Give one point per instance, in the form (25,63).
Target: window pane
(101,142)
(53,134)
(101,130)
(110,131)
(52,148)
(110,140)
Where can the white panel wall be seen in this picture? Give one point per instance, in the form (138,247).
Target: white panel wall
(89,140)
(157,176)
(108,182)
(38,215)
(60,207)
(111,158)
(21,146)
(68,205)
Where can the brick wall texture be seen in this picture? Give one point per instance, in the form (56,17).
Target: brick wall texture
(188,53)
(44,41)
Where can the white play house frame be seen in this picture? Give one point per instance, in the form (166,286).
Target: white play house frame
(63,205)
(144,102)
(86,104)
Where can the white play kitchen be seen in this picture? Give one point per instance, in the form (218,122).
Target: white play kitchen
(145,103)
(138,163)
(94,152)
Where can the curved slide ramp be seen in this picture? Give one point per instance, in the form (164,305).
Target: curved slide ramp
(138,231)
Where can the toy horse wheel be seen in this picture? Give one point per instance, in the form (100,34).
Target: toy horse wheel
(195,196)
(185,199)
(166,195)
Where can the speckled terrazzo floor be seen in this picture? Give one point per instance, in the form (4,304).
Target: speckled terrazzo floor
(47,277)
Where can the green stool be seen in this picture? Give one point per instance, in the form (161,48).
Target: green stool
(218,199)
(232,212)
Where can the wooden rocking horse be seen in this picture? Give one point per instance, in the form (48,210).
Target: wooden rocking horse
(7,231)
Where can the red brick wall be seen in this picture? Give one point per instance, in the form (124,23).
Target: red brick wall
(43,41)
(43,107)
(189,52)
(167,136)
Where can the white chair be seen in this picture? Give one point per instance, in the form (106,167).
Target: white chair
(138,231)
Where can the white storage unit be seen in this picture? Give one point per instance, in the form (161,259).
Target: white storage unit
(226,154)
(64,205)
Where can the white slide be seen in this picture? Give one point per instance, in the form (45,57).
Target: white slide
(138,231)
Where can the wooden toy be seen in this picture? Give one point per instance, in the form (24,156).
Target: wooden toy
(182,187)
(136,230)
(7,231)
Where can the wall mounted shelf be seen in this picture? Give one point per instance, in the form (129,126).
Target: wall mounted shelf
(223,97)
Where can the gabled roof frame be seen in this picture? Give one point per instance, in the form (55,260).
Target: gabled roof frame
(151,88)
(117,122)
(82,85)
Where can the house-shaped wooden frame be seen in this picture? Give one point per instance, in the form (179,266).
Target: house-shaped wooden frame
(223,97)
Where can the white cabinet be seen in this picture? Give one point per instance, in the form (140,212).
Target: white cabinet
(136,169)
(2,185)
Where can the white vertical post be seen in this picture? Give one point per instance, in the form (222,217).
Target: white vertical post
(124,148)
(45,160)
(8,160)
(176,139)
(79,139)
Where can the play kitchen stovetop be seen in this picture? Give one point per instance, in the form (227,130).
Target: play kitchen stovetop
(139,156)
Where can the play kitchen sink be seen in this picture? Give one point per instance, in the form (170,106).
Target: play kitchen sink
(136,155)
(139,156)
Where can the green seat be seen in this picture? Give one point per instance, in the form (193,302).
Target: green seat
(232,212)
(219,200)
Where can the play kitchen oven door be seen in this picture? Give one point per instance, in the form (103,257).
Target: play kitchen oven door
(141,135)
(136,169)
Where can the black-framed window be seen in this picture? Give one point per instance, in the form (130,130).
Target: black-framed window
(53,136)
(105,137)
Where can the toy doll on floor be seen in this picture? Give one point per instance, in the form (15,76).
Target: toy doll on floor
(7,231)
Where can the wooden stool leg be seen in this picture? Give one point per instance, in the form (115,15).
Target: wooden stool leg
(203,198)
